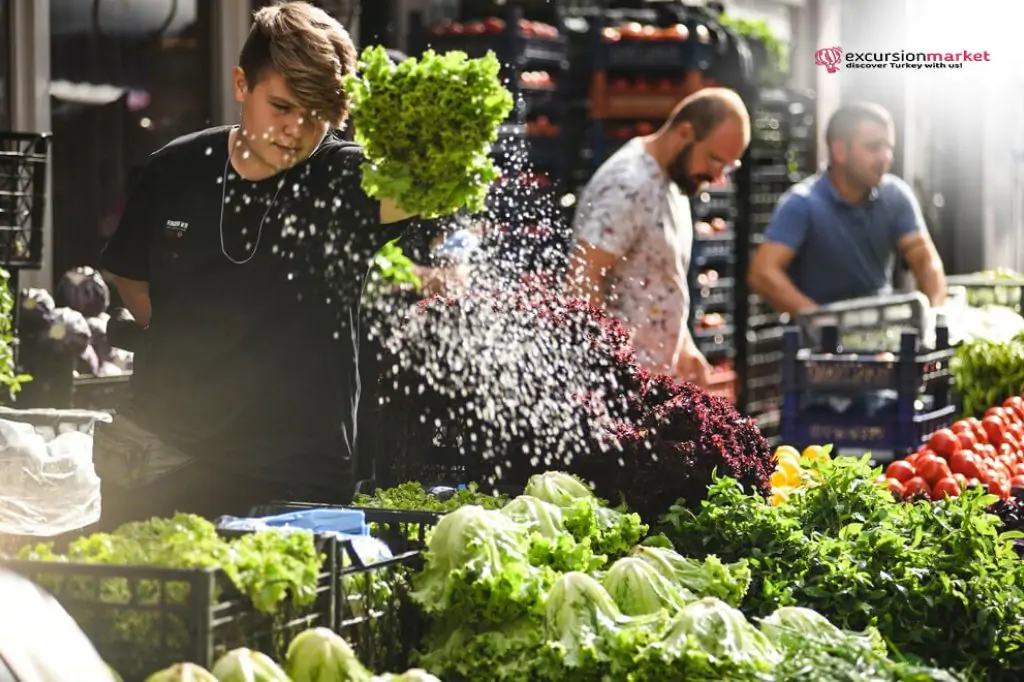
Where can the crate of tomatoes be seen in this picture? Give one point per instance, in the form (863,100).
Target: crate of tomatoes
(985,452)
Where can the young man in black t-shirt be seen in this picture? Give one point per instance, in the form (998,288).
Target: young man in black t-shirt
(241,252)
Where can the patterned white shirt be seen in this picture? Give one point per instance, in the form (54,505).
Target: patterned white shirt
(631,209)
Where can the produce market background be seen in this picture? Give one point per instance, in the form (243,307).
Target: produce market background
(116,84)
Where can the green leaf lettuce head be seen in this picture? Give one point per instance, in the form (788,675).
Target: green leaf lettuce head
(707,578)
(586,636)
(709,640)
(639,589)
(322,654)
(426,126)
(611,532)
(550,543)
(246,665)
(478,569)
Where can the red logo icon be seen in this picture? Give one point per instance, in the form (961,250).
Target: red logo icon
(829,57)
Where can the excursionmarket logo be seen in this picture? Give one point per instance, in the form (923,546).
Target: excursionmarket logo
(834,57)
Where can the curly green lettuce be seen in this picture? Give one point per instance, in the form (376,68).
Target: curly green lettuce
(478,569)
(426,126)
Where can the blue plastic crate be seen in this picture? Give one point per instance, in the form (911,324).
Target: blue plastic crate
(893,402)
(894,432)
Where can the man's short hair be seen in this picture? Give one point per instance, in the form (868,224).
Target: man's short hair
(705,109)
(845,120)
(310,49)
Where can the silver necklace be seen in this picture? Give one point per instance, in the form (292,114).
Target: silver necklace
(223,199)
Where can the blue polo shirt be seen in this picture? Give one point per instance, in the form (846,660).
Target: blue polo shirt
(843,250)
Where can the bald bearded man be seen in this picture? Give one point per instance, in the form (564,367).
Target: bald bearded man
(633,229)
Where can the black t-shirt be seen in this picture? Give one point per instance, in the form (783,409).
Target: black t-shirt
(250,365)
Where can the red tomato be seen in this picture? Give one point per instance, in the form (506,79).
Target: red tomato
(1017,481)
(994,429)
(1012,442)
(896,488)
(932,469)
(1018,469)
(901,470)
(944,443)
(961,426)
(967,439)
(973,483)
(917,486)
(1000,487)
(945,487)
(992,412)
(961,480)
(912,458)
(965,462)
(981,434)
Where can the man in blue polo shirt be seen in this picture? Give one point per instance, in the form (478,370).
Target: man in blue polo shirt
(835,235)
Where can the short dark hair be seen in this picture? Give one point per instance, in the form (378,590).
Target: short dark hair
(847,117)
(705,109)
(311,51)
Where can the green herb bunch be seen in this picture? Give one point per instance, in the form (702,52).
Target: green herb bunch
(426,126)
(988,372)
(940,581)
(412,496)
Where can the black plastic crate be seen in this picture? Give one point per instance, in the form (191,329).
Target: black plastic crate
(899,433)
(711,250)
(24,158)
(371,606)
(715,343)
(985,290)
(910,371)
(511,47)
(374,611)
(892,402)
(142,619)
(714,204)
(100,393)
(717,296)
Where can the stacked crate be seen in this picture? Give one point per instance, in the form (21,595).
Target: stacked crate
(713,284)
(862,399)
(782,152)
(531,150)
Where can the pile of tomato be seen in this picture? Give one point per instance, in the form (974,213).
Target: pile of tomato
(987,452)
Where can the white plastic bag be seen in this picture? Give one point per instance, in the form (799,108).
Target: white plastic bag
(39,641)
(48,484)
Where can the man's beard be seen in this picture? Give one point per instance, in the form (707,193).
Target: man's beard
(679,173)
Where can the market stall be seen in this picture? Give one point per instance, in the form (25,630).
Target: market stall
(538,506)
